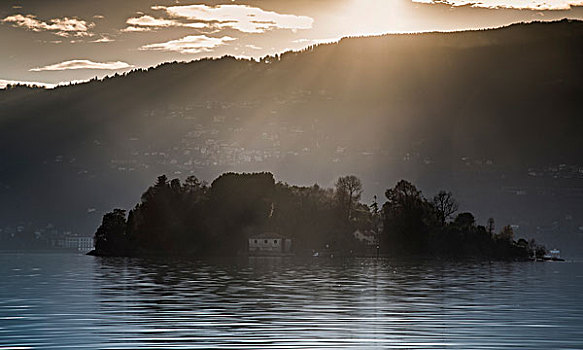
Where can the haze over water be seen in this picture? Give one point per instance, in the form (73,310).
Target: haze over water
(53,301)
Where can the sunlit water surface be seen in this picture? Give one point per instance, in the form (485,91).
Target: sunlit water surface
(68,301)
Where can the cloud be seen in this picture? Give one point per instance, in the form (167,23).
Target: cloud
(535,5)
(103,39)
(83,64)
(146,23)
(243,18)
(191,44)
(60,26)
(149,21)
(136,29)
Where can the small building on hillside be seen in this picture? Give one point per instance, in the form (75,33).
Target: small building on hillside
(269,243)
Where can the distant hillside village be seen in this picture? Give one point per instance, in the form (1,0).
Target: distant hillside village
(252,214)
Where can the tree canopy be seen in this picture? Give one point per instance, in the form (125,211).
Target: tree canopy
(197,219)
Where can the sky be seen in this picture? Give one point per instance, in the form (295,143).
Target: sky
(58,41)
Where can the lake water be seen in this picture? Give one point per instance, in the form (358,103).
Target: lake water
(68,301)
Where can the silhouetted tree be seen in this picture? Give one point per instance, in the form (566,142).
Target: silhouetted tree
(348,192)
(376,213)
(491,226)
(405,214)
(110,238)
(507,234)
(465,221)
(445,205)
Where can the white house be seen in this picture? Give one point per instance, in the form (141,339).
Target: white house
(79,243)
(555,254)
(269,243)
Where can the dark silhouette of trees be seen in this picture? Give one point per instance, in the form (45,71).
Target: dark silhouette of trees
(491,226)
(196,219)
(465,221)
(405,223)
(445,205)
(375,212)
(348,192)
(110,237)
(193,218)
(169,218)
(309,216)
(413,225)
(507,234)
(238,204)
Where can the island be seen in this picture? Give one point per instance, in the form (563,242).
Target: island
(251,213)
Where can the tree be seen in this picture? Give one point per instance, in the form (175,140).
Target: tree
(110,237)
(491,226)
(405,219)
(161,181)
(175,186)
(376,218)
(193,184)
(507,234)
(374,206)
(404,195)
(465,221)
(376,213)
(348,192)
(445,205)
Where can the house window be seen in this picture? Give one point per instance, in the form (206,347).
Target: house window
(255,241)
(265,242)
(275,241)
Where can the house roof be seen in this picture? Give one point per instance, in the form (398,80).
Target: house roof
(264,235)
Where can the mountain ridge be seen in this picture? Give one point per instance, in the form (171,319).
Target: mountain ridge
(309,48)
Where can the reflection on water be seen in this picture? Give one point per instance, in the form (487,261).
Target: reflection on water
(80,302)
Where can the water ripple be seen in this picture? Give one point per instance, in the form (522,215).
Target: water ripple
(77,302)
